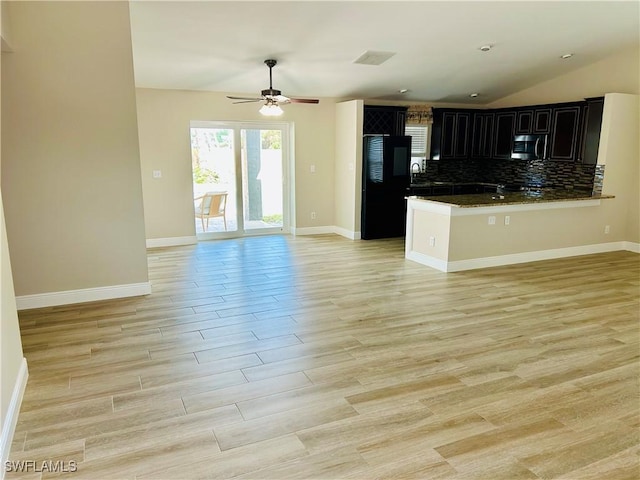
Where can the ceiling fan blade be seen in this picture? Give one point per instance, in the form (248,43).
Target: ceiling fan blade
(304,100)
(271,96)
(246,98)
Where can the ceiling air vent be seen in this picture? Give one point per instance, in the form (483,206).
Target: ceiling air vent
(373,58)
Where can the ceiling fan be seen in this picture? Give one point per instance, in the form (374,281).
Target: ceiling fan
(272,97)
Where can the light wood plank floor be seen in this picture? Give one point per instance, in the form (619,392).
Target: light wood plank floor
(320,357)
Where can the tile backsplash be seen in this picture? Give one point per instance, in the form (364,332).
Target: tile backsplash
(545,173)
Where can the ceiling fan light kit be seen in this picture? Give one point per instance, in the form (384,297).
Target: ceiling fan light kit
(271,109)
(272,97)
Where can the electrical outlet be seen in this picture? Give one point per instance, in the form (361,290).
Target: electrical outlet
(157,174)
(607,229)
(312,169)
(313,215)
(492,220)
(507,219)
(432,241)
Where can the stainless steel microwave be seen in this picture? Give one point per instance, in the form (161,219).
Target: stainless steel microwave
(529,147)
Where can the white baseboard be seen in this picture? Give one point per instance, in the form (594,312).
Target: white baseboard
(427,260)
(312,230)
(353,235)
(171,242)
(52,299)
(632,247)
(511,259)
(343,232)
(11,420)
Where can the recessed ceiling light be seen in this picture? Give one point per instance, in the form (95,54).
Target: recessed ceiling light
(474,95)
(403,90)
(486,48)
(566,55)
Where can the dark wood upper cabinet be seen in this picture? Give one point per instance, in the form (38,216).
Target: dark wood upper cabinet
(573,130)
(451,134)
(463,125)
(524,125)
(541,120)
(486,150)
(565,127)
(401,121)
(448,134)
(505,126)
(592,124)
(482,135)
(384,120)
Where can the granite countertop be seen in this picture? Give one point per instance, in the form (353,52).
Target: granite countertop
(512,198)
(427,183)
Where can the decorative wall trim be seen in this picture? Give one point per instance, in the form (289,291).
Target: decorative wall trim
(51,299)
(171,242)
(11,420)
(511,259)
(419,115)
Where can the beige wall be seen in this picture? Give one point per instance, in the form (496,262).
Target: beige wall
(10,344)
(70,158)
(619,151)
(11,356)
(532,231)
(163,121)
(348,167)
(618,73)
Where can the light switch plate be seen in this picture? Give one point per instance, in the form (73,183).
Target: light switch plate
(157,174)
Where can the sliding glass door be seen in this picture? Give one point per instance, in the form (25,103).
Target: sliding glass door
(239,178)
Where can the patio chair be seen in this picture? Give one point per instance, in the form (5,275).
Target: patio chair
(211,205)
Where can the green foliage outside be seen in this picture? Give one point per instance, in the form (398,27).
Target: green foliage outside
(204,175)
(273,219)
(271,139)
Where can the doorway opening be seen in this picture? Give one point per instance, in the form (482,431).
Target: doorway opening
(240,178)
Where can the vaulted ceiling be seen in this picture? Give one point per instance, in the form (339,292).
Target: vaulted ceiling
(221,46)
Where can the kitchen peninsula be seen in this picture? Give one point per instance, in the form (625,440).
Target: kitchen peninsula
(464,232)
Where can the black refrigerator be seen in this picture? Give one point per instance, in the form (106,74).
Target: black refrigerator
(386,178)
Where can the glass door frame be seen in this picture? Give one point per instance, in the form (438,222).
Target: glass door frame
(287,175)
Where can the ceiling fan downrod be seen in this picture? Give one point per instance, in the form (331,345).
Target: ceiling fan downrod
(270,92)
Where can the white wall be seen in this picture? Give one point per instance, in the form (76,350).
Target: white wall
(70,156)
